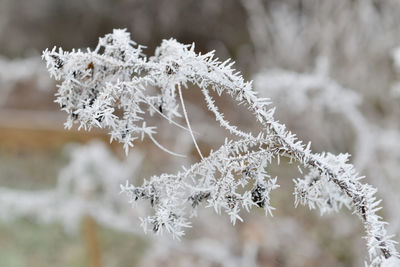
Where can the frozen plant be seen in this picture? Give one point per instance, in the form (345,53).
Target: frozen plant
(114,86)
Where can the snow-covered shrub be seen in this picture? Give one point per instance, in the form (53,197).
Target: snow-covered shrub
(116,87)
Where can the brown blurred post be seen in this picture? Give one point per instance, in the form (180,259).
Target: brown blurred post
(92,241)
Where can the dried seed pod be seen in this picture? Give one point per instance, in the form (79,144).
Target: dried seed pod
(196,199)
(258,195)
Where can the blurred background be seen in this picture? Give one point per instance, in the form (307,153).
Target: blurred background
(331,68)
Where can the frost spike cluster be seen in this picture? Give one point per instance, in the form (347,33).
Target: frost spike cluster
(115,85)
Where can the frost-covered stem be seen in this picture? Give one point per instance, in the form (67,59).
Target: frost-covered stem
(187,121)
(360,194)
(220,117)
(96,85)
